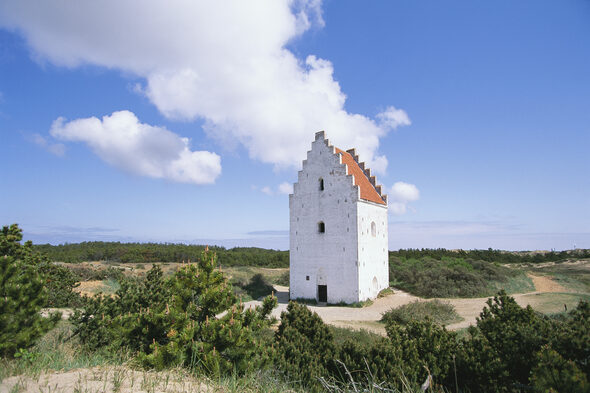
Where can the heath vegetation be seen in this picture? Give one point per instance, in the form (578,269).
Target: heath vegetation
(191,321)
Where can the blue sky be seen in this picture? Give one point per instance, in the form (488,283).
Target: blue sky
(188,123)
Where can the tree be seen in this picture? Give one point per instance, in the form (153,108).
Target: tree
(22,294)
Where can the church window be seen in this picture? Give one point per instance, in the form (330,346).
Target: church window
(321,181)
(373,229)
(306,278)
(321,227)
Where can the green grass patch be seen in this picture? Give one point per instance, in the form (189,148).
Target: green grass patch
(385,292)
(555,303)
(439,312)
(364,303)
(575,277)
(283,279)
(57,350)
(362,336)
(518,283)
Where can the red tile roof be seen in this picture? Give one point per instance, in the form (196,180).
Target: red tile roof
(368,191)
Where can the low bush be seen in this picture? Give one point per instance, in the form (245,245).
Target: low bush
(89,273)
(449,277)
(441,313)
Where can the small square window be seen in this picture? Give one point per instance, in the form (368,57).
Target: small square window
(306,278)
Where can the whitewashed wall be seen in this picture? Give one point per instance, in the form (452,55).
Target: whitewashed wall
(373,249)
(334,258)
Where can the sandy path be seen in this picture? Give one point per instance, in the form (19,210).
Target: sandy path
(105,379)
(367,317)
(546,284)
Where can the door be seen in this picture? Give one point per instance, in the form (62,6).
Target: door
(322,293)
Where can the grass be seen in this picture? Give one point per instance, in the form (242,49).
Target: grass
(364,303)
(245,273)
(362,336)
(518,283)
(439,312)
(555,303)
(57,350)
(385,292)
(574,276)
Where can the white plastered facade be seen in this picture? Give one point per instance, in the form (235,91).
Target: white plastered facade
(346,258)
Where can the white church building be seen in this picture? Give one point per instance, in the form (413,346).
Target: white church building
(338,228)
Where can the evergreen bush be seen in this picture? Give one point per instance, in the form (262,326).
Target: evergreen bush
(22,294)
(191,319)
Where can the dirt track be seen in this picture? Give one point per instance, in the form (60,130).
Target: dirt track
(367,317)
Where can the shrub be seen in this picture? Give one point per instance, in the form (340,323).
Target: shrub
(22,294)
(448,277)
(305,346)
(441,313)
(190,319)
(553,373)
(60,283)
(257,287)
(502,349)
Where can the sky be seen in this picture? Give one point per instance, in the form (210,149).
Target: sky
(187,121)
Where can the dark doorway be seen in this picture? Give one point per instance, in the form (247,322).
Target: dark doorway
(322,293)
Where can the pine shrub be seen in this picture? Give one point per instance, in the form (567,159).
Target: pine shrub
(191,319)
(22,294)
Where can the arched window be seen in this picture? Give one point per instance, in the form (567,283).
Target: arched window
(321,227)
(373,229)
(321,181)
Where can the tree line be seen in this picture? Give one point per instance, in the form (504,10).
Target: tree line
(161,252)
(252,256)
(491,255)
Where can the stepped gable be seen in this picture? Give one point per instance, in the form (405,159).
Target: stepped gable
(362,178)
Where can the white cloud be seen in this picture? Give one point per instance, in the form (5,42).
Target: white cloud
(393,118)
(266,190)
(59,149)
(285,188)
(400,195)
(139,148)
(222,62)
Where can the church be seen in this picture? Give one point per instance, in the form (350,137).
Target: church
(338,228)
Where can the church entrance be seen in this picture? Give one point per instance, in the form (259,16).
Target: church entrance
(322,293)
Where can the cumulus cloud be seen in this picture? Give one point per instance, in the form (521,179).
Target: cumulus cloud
(400,195)
(393,118)
(222,62)
(59,149)
(139,148)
